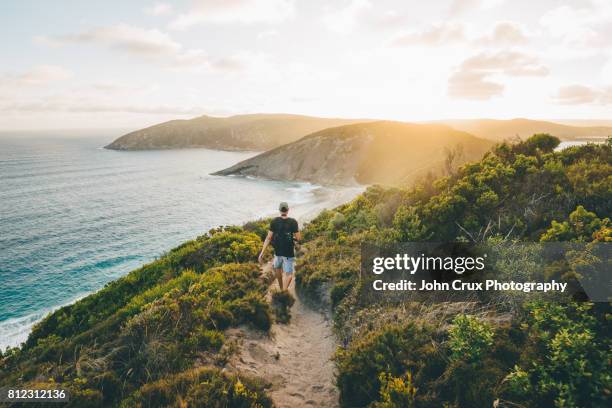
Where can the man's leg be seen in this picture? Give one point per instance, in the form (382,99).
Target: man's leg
(277,267)
(289,278)
(289,268)
(279,276)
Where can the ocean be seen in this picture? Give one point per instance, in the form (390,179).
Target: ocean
(74,216)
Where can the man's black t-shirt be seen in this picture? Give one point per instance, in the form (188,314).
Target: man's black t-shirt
(282,240)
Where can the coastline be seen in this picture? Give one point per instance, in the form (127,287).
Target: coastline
(15,331)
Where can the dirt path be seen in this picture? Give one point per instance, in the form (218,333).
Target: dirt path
(294,358)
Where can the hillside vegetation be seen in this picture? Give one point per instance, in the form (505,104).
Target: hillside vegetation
(156,337)
(535,354)
(390,153)
(241,132)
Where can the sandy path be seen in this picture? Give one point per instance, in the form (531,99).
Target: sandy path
(294,358)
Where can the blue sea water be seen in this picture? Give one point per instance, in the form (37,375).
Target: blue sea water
(74,216)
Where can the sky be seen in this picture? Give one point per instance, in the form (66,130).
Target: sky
(122,64)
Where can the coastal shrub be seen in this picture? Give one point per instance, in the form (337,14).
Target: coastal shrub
(519,177)
(393,350)
(251,309)
(580,226)
(168,332)
(281,305)
(165,330)
(318,226)
(515,192)
(222,247)
(340,290)
(374,208)
(84,314)
(259,227)
(539,142)
(328,263)
(566,359)
(219,246)
(386,207)
(590,179)
(336,222)
(408,225)
(469,338)
(201,387)
(396,392)
(182,283)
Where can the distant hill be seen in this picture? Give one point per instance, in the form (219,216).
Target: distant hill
(584,122)
(499,130)
(390,153)
(241,132)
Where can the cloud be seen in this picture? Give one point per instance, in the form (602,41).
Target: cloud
(198,60)
(505,33)
(159,9)
(606,72)
(80,107)
(511,63)
(344,19)
(359,13)
(40,75)
(472,85)
(587,26)
(605,97)
(122,37)
(437,34)
(234,11)
(121,88)
(151,44)
(581,95)
(267,34)
(461,6)
(470,80)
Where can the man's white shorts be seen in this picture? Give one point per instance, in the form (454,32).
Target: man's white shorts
(285,262)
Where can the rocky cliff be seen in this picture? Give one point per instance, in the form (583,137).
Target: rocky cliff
(383,152)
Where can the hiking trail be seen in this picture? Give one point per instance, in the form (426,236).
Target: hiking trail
(294,358)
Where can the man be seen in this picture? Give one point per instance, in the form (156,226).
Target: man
(282,234)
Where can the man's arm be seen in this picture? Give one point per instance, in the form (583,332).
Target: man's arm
(297,234)
(265,245)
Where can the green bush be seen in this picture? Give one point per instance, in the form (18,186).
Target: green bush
(408,224)
(393,350)
(326,262)
(200,387)
(221,247)
(515,192)
(259,227)
(161,331)
(581,227)
(469,338)
(281,305)
(396,392)
(566,361)
(224,245)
